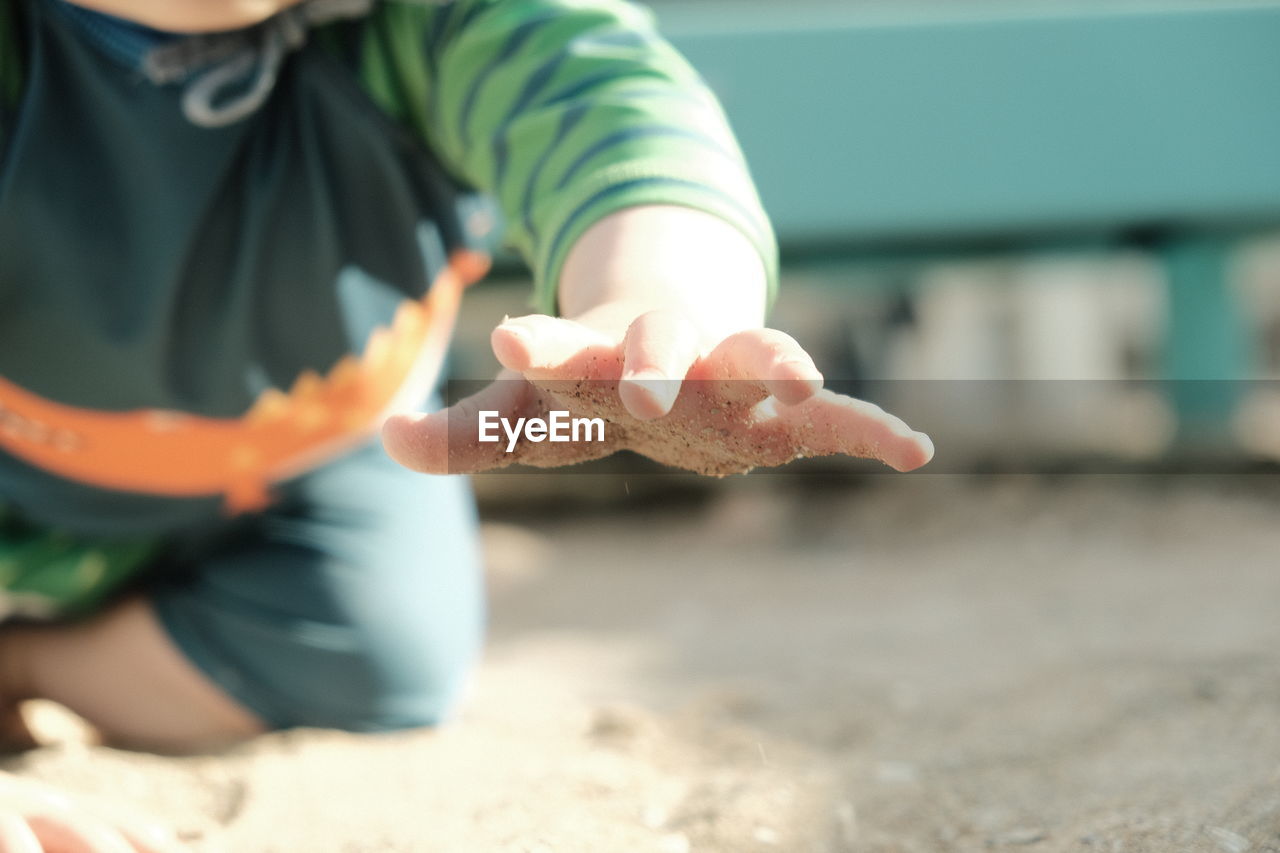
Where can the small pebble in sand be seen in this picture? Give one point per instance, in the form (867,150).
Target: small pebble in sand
(1231,842)
(1020,837)
(615,722)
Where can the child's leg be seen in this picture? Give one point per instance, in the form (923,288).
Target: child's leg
(356,603)
(121,671)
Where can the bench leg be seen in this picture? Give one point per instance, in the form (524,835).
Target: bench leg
(1206,352)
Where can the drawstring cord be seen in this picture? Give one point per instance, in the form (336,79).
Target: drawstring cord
(231,59)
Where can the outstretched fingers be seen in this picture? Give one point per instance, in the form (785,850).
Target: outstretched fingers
(16,835)
(565,368)
(50,823)
(758,362)
(66,830)
(828,423)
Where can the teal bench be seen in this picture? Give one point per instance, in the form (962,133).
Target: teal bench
(886,129)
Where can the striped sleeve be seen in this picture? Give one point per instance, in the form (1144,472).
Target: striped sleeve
(565,111)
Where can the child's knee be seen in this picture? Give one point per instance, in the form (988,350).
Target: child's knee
(406,685)
(362,674)
(357,604)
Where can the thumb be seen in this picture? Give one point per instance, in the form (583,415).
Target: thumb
(447,441)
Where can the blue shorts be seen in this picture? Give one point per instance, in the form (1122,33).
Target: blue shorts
(355,602)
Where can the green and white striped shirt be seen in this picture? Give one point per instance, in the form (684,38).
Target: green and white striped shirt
(565,111)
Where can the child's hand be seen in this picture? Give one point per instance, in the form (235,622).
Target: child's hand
(665,346)
(35,818)
(709,422)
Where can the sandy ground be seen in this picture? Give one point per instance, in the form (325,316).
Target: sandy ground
(1085,663)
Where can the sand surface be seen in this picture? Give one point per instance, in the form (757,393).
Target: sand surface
(936,663)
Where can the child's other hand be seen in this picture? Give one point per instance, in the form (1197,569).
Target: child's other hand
(35,818)
(715,406)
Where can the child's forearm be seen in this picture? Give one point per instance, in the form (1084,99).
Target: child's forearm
(644,258)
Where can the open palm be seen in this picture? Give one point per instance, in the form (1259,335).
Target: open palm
(753,398)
